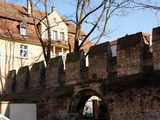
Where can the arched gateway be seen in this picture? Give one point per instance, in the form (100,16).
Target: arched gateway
(80,100)
(130,83)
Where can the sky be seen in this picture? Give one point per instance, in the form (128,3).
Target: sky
(134,21)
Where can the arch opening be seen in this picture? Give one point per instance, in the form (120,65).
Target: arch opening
(88,105)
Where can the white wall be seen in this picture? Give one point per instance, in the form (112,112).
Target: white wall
(60,26)
(4,108)
(22,112)
(10,58)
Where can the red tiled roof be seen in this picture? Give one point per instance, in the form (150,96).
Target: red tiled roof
(17,13)
(72,28)
(9,29)
(10,18)
(72,31)
(12,15)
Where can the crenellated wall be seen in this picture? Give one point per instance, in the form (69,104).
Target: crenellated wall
(100,61)
(130,54)
(156,47)
(130,60)
(127,80)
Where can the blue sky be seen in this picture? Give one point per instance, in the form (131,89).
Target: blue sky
(135,21)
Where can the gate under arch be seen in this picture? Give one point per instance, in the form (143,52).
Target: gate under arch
(78,103)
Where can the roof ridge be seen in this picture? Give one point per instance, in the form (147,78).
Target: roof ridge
(17,12)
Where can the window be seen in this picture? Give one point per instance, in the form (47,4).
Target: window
(61,35)
(23,51)
(45,34)
(55,35)
(23,29)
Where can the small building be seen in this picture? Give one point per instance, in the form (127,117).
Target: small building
(20,45)
(19,41)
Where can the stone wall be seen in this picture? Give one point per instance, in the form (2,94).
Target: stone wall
(139,104)
(156,48)
(128,82)
(130,55)
(130,60)
(100,61)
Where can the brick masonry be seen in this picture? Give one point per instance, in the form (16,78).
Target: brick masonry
(156,48)
(99,61)
(128,83)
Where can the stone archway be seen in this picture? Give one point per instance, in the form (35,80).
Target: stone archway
(78,102)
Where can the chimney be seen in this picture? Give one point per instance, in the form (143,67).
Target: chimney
(52,8)
(29,7)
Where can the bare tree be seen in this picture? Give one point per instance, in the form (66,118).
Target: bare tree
(8,58)
(46,45)
(147,4)
(97,14)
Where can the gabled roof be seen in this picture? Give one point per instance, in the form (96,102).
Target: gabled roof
(12,15)
(9,30)
(72,28)
(17,13)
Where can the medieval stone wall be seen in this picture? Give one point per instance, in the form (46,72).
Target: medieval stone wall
(128,83)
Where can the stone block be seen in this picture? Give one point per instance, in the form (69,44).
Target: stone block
(37,75)
(22,80)
(55,72)
(100,61)
(130,54)
(75,64)
(156,48)
(10,83)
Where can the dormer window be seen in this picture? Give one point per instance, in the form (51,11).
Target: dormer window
(23,29)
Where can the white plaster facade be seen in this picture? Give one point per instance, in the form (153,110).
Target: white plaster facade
(12,56)
(11,51)
(19,111)
(58,29)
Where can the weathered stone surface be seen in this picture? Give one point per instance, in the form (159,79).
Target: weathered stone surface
(37,75)
(10,84)
(47,108)
(139,104)
(55,72)
(156,48)
(100,61)
(134,95)
(22,79)
(74,68)
(130,55)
